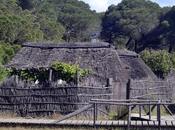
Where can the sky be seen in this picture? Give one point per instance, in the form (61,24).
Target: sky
(102,5)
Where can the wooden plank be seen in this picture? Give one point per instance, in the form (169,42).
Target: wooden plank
(109,123)
(103,123)
(169,124)
(156,123)
(133,123)
(139,123)
(86,122)
(173,123)
(121,123)
(68,122)
(150,123)
(163,123)
(144,123)
(115,123)
(75,113)
(98,123)
(91,123)
(77,123)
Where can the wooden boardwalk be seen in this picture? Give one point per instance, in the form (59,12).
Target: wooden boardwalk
(82,123)
(145,121)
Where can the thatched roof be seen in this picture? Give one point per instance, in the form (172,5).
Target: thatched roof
(135,66)
(101,58)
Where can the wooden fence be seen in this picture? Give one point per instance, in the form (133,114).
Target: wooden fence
(44,101)
(144,89)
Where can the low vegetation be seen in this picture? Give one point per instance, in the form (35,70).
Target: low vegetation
(64,71)
(68,72)
(161,62)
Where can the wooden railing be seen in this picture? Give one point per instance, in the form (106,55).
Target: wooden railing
(94,105)
(131,104)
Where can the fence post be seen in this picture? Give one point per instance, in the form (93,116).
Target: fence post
(149,111)
(94,118)
(50,74)
(77,77)
(140,111)
(129,117)
(128,89)
(159,115)
(96,110)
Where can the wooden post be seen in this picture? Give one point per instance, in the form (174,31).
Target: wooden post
(50,75)
(109,82)
(96,110)
(94,118)
(140,111)
(128,89)
(16,79)
(159,115)
(149,111)
(129,116)
(77,77)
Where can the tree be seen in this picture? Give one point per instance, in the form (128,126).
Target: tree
(75,16)
(52,30)
(129,22)
(6,53)
(159,61)
(17,26)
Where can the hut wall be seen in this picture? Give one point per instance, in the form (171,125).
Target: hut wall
(27,100)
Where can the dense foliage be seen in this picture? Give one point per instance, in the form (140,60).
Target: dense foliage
(64,71)
(128,23)
(68,72)
(161,62)
(67,19)
(6,53)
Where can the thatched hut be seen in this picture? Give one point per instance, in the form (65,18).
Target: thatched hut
(109,68)
(102,59)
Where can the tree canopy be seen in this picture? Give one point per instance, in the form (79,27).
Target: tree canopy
(127,24)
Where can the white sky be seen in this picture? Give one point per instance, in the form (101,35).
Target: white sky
(102,5)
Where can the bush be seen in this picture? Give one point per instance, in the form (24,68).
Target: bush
(3,73)
(68,72)
(159,61)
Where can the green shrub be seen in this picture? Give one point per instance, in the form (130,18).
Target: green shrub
(61,70)
(4,73)
(159,61)
(68,72)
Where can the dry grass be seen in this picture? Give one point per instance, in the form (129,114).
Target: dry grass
(8,115)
